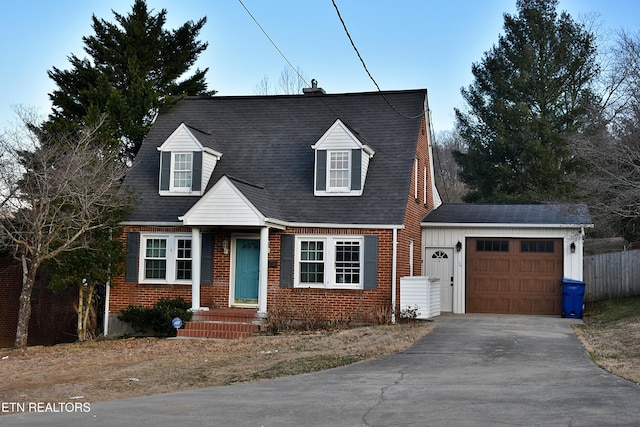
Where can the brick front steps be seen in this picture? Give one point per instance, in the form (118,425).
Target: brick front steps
(227,323)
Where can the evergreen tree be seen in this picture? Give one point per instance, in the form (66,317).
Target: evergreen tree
(134,67)
(530,94)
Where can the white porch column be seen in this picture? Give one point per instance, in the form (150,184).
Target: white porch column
(196,246)
(264,271)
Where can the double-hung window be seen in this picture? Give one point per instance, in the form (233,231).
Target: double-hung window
(182,171)
(155,259)
(166,258)
(339,171)
(329,262)
(183,259)
(347,261)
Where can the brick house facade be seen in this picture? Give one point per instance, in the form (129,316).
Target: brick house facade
(309,205)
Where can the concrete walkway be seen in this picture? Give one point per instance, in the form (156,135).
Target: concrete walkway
(472,370)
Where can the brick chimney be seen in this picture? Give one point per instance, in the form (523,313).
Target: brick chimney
(314,89)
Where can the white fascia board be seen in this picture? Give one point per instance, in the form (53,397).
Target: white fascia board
(342,226)
(213,152)
(345,128)
(152,223)
(204,199)
(181,128)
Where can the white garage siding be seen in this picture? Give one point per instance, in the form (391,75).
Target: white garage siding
(448,235)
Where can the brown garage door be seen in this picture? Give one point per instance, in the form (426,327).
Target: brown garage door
(515,276)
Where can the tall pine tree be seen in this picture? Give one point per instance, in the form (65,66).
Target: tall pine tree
(134,67)
(530,94)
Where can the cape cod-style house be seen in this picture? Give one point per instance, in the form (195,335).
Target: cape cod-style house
(308,205)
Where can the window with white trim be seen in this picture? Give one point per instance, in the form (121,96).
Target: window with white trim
(339,171)
(181,171)
(166,258)
(155,259)
(329,262)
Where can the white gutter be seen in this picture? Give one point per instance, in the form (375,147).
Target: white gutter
(394,266)
(499,225)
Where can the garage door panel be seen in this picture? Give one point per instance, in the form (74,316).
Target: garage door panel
(491,265)
(521,276)
(539,266)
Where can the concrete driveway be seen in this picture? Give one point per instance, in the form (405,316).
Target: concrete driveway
(472,370)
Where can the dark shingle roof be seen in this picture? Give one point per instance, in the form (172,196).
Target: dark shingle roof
(542,214)
(265,143)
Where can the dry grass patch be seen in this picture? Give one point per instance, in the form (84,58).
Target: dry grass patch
(114,369)
(611,334)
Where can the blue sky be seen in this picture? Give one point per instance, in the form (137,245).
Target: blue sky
(407,44)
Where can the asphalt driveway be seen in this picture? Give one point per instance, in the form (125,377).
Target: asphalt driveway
(472,370)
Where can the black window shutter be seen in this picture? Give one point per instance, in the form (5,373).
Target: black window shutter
(286,260)
(370,262)
(321,170)
(196,174)
(356,169)
(206,259)
(165,170)
(133,252)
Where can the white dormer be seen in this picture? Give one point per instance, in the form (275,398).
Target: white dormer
(341,162)
(185,163)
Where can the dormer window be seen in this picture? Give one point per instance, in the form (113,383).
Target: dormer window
(186,164)
(341,162)
(182,171)
(339,171)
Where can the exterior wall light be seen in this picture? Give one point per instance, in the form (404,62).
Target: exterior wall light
(572,247)
(458,246)
(225,246)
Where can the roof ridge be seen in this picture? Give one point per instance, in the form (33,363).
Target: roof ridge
(242,181)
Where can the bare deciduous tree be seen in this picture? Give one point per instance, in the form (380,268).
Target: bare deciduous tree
(611,150)
(291,82)
(446,169)
(53,193)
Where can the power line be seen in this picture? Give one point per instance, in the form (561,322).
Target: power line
(346,30)
(273,43)
(285,58)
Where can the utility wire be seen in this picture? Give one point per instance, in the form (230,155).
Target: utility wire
(273,43)
(285,58)
(346,30)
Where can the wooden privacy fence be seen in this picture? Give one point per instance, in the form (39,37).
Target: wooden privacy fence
(612,275)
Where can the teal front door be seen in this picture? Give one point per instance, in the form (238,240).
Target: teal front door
(247,271)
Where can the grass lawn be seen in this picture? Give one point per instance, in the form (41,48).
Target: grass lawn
(611,333)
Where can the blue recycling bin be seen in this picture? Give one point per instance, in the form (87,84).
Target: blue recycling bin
(572,298)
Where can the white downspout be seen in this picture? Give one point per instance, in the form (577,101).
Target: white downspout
(196,246)
(264,272)
(411,257)
(394,266)
(105,331)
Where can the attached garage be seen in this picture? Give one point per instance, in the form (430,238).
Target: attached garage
(504,258)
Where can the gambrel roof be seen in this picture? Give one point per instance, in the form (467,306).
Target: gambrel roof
(266,145)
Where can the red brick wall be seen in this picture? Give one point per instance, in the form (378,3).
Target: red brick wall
(123,294)
(334,304)
(321,303)
(416,209)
